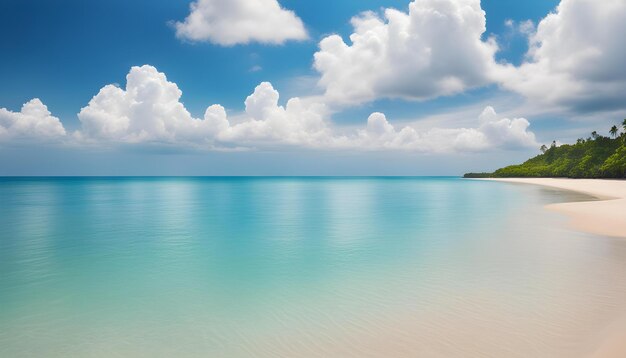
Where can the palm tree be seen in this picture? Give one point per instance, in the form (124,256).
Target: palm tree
(594,135)
(624,124)
(614,131)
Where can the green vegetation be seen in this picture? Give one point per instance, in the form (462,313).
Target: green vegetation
(594,157)
(478,175)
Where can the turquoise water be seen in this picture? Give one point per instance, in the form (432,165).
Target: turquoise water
(298,267)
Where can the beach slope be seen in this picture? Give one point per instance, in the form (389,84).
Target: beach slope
(605,216)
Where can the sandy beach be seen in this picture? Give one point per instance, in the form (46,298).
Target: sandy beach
(605,216)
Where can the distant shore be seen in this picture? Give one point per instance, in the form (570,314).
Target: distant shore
(606,216)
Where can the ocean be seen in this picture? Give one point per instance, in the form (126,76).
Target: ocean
(299,267)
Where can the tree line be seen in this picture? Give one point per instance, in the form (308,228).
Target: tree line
(594,157)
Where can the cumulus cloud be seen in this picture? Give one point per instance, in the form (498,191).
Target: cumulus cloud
(33,121)
(298,123)
(576,58)
(433,50)
(491,132)
(231,22)
(149,110)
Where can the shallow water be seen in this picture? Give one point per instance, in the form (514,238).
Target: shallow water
(299,267)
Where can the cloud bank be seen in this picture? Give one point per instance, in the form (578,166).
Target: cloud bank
(232,22)
(491,132)
(149,110)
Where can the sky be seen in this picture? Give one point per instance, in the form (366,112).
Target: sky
(293,87)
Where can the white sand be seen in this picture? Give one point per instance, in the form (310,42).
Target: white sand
(606,216)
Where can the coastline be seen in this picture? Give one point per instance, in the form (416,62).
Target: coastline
(605,216)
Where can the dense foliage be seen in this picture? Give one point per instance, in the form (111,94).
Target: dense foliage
(594,157)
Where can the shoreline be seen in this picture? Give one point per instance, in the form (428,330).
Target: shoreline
(605,216)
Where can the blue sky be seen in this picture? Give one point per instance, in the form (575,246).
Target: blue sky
(64,52)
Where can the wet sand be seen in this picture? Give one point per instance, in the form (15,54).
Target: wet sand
(605,216)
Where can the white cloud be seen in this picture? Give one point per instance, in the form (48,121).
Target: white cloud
(433,50)
(299,123)
(149,111)
(576,58)
(231,22)
(526,27)
(492,132)
(34,121)
(505,132)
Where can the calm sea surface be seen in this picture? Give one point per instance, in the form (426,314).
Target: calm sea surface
(299,267)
